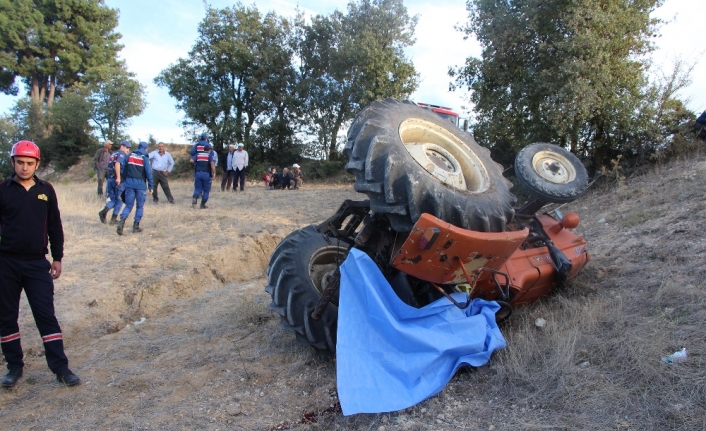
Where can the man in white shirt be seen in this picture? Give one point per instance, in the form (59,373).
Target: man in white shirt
(240,162)
(228,169)
(162,164)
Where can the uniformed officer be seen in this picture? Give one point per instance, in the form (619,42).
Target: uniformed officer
(29,214)
(115,174)
(138,170)
(204,169)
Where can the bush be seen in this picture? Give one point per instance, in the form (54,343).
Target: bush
(182,168)
(327,169)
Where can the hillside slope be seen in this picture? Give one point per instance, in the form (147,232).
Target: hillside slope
(211,356)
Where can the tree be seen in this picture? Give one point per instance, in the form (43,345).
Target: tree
(238,69)
(116,96)
(350,60)
(51,44)
(8,136)
(570,72)
(72,135)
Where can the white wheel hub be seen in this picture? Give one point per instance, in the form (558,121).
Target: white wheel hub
(553,167)
(444,155)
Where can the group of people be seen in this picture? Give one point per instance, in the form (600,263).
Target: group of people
(31,228)
(132,175)
(287,179)
(129,179)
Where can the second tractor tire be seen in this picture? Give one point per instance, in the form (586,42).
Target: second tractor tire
(296,271)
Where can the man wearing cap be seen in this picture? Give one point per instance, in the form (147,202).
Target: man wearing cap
(162,164)
(115,174)
(100,163)
(204,170)
(240,162)
(30,219)
(297,176)
(228,172)
(137,171)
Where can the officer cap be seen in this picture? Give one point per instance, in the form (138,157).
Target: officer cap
(126,144)
(204,136)
(144,145)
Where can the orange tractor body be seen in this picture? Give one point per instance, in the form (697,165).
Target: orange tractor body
(486,263)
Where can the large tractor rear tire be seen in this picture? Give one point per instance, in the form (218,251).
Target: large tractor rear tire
(298,267)
(410,161)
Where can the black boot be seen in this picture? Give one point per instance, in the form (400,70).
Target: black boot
(203,205)
(68,378)
(11,378)
(113,219)
(102,213)
(136,227)
(121,225)
(194,201)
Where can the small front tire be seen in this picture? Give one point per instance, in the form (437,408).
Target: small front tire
(551,173)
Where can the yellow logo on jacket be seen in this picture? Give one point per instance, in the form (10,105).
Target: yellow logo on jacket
(43,197)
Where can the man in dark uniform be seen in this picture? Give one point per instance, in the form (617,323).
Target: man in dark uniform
(137,171)
(115,174)
(30,219)
(204,170)
(100,164)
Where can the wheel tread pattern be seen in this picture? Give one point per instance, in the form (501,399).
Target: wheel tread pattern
(294,295)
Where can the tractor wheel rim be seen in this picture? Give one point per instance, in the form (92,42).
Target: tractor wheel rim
(323,261)
(444,156)
(553,167)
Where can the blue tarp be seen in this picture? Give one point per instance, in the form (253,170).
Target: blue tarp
(389,355)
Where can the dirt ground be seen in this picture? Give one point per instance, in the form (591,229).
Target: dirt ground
(210,355)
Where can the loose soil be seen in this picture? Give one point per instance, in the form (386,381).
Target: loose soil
(210,355)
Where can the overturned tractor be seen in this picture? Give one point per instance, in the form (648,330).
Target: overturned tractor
(439,219)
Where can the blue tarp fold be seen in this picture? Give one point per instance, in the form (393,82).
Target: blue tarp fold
(389,355)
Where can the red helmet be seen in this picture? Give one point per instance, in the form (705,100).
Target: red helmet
(26,149)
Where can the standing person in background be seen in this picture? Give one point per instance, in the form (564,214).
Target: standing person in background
(162,164)
(138,171)
(228,172)
(204,170)
(29,213)
(100,164)
(240,162)
(115,174)
(297,176)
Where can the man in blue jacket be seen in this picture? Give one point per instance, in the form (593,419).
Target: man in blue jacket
(115,174)
(204,170)
(138,170)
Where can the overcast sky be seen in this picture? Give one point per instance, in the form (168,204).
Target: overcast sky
(156,33)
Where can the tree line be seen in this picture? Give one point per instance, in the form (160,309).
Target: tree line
(65,55)
(286,87)
(569,72)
